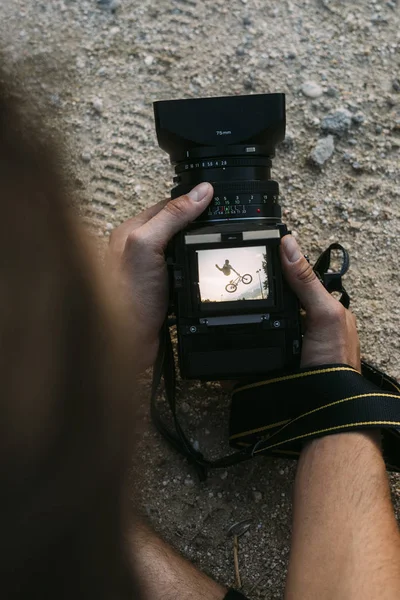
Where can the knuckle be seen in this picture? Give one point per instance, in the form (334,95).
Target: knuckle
(134,239)
(178,208)
(305,272)
(337,313)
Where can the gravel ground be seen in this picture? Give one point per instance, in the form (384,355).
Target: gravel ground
(99,65)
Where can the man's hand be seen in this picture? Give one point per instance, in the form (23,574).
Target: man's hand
(331,333)
(136,260)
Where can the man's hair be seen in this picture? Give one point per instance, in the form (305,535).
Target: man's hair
(65,385)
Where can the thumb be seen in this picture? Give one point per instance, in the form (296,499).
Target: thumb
(177,214)
(302,279)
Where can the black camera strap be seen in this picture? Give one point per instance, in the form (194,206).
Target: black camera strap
(277,415)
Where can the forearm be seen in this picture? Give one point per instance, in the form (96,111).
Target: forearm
(164,574)
(345,539)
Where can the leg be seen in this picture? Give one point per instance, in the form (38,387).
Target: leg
(164,574)
(346,544)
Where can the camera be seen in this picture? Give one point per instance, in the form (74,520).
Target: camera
(236,316)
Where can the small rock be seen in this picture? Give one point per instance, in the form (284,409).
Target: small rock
(247,21)
(86,156)
(111,5)
(323,151)
(311,89)
(288,142)
(189,481)
(240,51)
(137,189)
(257,497)
(331,92)
(184,405)
(378,129)
(55,100)
(338,122)
(248,84)
(148,61)
(396,85)
(353,142)
(97,104)
(355,224)
(358,119)
(224,475)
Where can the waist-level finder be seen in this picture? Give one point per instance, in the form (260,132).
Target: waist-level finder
(236,316)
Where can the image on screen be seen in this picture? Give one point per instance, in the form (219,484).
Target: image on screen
(227,274)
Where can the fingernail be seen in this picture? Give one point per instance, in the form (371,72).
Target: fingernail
(199,192)
(291,248)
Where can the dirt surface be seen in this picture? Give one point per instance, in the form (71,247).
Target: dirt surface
(99,66)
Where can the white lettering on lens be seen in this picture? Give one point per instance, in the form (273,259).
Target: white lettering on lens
(218,132)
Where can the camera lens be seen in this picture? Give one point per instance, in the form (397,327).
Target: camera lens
(241,179)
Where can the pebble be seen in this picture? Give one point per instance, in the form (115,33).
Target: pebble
(247,21)
(288,142)
(224,475)
(111,5)
(396,85)
(86,156)
(257,497)
(240,51)
(189,481)
(331,92)
(358,119)
(311,89)
(97,104)
(148,61)
(248,84)
(323,151)
(338,122)
(355,224)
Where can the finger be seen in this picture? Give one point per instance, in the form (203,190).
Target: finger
(302,279)
(142,218)
(177,214)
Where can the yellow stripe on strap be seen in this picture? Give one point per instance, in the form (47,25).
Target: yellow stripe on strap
(295,376)
(290,421)
(306,435)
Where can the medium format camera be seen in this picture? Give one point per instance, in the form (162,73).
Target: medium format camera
(236,316)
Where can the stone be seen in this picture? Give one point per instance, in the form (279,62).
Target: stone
(355,224)
(111,5)
(148,61)
(86,156)
(97,104)
(311,89)
(323,150)
(396,85)
(331,92)
(338,122)
(257,496)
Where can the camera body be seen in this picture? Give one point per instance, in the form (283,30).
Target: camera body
(236,316)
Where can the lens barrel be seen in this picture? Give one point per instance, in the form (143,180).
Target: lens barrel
(241,177)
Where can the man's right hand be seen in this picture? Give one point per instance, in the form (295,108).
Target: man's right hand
(331,333)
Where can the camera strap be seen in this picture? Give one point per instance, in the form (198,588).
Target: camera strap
(277,415)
